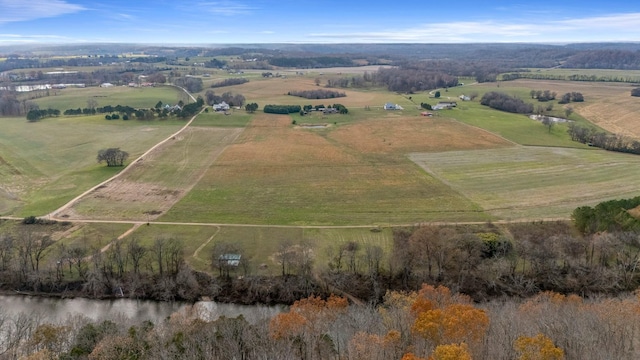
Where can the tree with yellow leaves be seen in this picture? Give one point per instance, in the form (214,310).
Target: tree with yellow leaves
(443,318)
(537,347)
(451,352)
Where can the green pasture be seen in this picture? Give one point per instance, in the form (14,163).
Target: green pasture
(384,191)
(535,182)
(518,128)
(45,164)
(73,98)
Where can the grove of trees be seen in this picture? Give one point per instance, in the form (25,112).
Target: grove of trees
(230,82)
(504,102)
(410,79)
(282,109)
(317,94)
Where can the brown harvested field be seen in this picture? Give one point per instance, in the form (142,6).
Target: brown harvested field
(157,182)
(608,105)
(276,173)
(402,135)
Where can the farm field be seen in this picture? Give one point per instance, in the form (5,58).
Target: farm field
(608,106)
(47,163)
(354,174)
(153,185)
(535,182)
(73,98)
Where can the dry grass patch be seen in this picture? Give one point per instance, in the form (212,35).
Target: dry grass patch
(402,135)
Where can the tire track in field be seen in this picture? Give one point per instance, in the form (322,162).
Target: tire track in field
(197,252)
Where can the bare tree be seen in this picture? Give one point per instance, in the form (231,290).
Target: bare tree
(136,253)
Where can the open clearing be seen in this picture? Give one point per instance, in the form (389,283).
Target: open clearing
(535,182)
(154,184)
(353,174)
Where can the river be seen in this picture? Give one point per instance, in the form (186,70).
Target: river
(58,310)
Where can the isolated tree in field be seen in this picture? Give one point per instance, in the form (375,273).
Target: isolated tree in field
(112,156)
(437,94)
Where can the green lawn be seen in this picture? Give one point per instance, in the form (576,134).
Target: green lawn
(236,118)
(47,163)
(73,98)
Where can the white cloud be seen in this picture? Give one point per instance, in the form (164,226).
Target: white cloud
(611,27)
(226,8)
(26,39)
(25,10)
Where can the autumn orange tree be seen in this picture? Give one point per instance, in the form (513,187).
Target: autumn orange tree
(443,318)
(307,324)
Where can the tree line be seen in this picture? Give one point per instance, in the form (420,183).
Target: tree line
(600,139)
(281,109)
(573,77)
(311,61)
(501,101)
(317,94)
(229,82)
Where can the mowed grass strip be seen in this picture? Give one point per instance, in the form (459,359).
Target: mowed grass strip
(535,182)
(47,163)
(281,174)
(154,184)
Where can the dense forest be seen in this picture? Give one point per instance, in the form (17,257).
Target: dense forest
(410,79)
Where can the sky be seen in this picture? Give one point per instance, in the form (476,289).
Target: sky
(289,21)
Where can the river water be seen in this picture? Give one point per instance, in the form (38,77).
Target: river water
(56,310)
